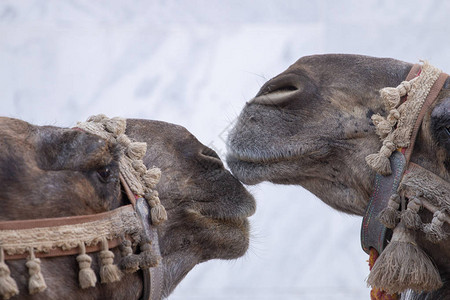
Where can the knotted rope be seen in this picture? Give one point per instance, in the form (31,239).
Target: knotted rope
(396,129)
(403,264)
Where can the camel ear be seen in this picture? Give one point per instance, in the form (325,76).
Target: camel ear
(75,150)
(440,124)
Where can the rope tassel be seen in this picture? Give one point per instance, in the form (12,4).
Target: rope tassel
(403,265)
(152,177)
(36,282)
(375,293)
(390,215)
(382,126)
(8,286)
(380,161)
(147,257)
(136,150)
(129,262)
(108,271)
(410,216)
(157,212)
(115,125)
(435,230)
(392,95)
(86,275)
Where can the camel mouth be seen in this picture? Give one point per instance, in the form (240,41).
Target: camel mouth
(241,223)
(261,157)
(235,219)
(251,170)
(236,210)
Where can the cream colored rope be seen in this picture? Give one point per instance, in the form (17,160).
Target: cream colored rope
(395,130)
(141,180)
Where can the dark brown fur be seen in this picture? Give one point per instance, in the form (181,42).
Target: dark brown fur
(52,172)
(311,126)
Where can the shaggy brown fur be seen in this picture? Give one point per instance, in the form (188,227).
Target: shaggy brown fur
(311,126)
(52,172)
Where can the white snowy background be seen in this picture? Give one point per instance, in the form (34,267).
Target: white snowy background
(195,63)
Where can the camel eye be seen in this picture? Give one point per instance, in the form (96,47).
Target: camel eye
(104,173)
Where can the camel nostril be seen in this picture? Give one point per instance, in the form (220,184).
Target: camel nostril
(278,90)
(282,89)
(276,97)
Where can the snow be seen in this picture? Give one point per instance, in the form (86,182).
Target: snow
(195,63)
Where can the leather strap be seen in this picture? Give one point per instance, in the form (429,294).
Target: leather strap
(153,277)
(128,191)
(373,233)
(414,72)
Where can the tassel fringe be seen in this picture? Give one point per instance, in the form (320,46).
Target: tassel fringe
(380,161)
(410,216)
(136,150)
(141,180)
(8,286)
(376,293)
(36,282)
(435,230)
(108,271)
(147,258)
(403,265)
(397,127)
(152,177)
(392,95)
(86,276)
(390,215)
(129,262)
(157,212)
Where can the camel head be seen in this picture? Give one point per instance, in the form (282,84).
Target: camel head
(49,172)
(207,207)
(311,126)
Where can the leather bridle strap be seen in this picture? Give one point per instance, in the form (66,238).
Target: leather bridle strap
(373,233)
(152,277)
